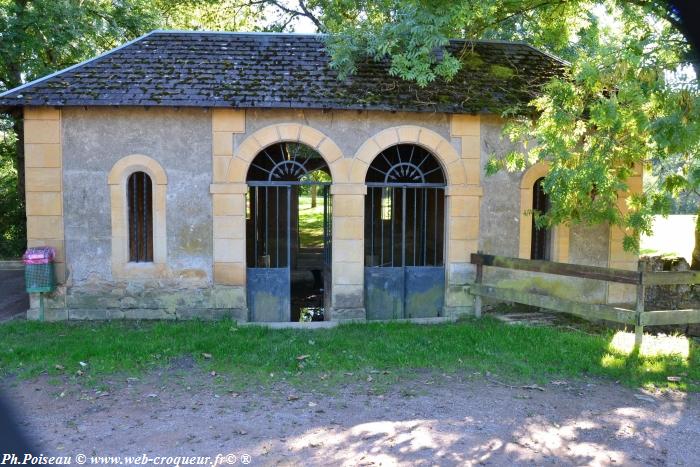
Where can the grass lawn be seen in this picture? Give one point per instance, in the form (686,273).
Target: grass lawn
(256,355)
(311,221)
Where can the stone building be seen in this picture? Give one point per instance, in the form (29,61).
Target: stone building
(169,175)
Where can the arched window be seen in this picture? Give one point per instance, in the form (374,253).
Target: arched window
(140,201)
(541,236)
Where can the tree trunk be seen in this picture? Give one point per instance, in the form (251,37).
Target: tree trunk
(18,127)
(313,195)
(695,264)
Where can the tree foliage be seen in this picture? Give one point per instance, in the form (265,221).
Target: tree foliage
(619,107)
(38,37)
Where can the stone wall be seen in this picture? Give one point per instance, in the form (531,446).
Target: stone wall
(198,161)
(670,297)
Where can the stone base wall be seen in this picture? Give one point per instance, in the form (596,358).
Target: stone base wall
(122,300)
(670,297)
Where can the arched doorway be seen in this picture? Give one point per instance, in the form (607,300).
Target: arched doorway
(541,247)
(288,233)
(404,234)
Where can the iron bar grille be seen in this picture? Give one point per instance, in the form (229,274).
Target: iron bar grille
(268,227)
(404,209)
(274,180)
(541,236)
(140,194)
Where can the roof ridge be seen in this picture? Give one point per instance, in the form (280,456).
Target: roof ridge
(76,66)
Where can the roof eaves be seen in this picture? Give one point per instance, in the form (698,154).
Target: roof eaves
(73,67)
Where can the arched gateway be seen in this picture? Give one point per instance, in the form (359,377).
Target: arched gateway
(288,232)
(404,234)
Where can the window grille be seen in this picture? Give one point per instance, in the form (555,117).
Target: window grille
(140,201)
(541,236)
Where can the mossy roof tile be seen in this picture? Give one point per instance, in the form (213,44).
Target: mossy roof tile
(166,68)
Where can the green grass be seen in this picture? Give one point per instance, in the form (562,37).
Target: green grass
(513,353)
(311,222)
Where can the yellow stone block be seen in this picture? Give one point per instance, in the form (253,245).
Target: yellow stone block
(310,136)
(228,205)
(635,185)
(351,251)
(60,271)
(429,139)
(358,171)
(237,170)
(42,179)
(455,173)
(465,125)
(472,167)
(348,273)
(459,251)
(408,134)
(348,205)
(289,132)
(45,227)
(41,113)
(464,228)
(267,136)
(229,227)
(42,155)
(446,152)
(349,189)
(348,228)
(46,203)
(471,147)
(220,168)
(340,170)
(229,120)
(386,138)
(230,273)
(248,149)
(464,206)
(330,151)
(222,143)
(367,152)
(42,131)
(229,250)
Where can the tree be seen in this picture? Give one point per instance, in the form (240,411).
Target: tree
(38,37)
(620,105)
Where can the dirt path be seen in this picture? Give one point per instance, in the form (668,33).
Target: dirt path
(427,419)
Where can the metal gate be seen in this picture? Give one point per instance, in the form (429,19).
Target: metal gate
(269,252)
(272,217)
(404,231)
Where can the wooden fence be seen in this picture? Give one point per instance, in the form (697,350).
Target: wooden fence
(619,314)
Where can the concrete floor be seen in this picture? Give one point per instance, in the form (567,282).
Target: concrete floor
(14,300)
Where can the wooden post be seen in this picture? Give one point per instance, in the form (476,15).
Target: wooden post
(479,279)
(638,327)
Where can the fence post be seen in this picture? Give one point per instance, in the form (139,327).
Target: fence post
(479,279)
(638,327)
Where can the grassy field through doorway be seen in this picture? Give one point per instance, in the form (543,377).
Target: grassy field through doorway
(311,221)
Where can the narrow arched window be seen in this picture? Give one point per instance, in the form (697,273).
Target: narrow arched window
(140,201)
(541,236)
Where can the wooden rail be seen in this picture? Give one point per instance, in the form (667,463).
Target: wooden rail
(641,278)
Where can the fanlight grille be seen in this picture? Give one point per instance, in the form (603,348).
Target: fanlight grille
(285,162)
(405,164)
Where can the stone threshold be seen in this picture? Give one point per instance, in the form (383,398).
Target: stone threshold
(332,324)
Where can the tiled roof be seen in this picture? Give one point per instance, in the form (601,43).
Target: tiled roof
(257,70)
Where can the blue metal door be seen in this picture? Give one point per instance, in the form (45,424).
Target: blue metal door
(404,272)
(404,230)
(268,251)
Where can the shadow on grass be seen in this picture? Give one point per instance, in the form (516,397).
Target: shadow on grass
(514,353)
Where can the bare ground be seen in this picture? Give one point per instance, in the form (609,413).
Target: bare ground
(423,419)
